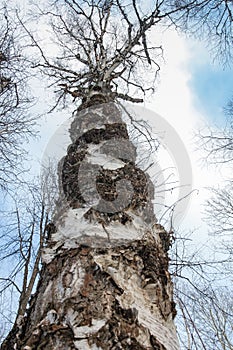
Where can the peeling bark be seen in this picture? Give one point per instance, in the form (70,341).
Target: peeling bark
(105,282)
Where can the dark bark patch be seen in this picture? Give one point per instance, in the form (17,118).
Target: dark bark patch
(156,345)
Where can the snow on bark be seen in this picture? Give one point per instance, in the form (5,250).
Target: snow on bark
(104,282)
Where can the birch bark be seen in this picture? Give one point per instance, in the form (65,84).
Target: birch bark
(105,282)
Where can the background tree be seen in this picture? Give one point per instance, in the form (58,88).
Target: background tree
(205,309)
(207,316)
(218,142)
(25,225)
(206,319)
(16,125)
(16,128)
(201,273)
(218,145)
(209,20)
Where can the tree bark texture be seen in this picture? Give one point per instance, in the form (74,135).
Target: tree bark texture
(104,283)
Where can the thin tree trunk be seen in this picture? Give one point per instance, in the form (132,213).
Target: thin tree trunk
(105,282)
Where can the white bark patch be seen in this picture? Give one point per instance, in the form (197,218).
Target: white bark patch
(77,275)
(95,347)
(73,230)
(85,331)
(51,316)
(136,297)
(106,161)
(83,345)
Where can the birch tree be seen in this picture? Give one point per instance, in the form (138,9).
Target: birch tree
(104,281)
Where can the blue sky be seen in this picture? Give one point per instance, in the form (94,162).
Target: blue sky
(212,87)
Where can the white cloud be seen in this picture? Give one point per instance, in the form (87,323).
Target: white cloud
(174,101)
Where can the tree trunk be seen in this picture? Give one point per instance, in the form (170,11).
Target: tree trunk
(104,283)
